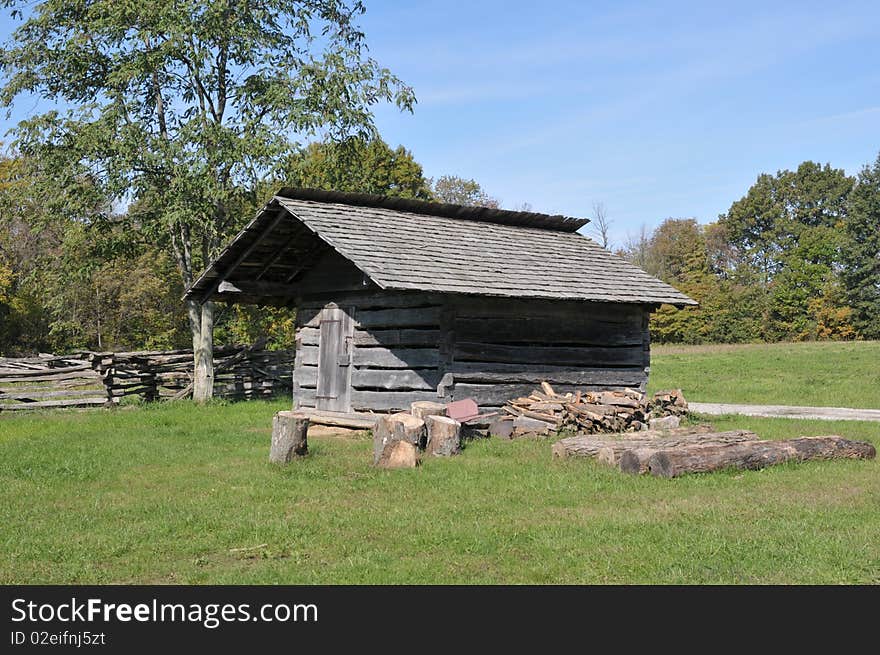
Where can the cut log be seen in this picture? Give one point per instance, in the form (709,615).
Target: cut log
(398,455)
(444,436)
(424,408)
(397,427)
(590,445)
(289,431)
(670,463)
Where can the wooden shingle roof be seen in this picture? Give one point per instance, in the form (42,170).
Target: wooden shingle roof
(415,245)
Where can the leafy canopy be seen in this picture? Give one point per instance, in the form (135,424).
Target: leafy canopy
(192,102)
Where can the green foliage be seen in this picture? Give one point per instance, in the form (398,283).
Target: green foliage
(460,191)
(360,167)
(861,254)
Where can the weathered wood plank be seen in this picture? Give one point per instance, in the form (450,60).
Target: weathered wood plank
(485,307)
(589,356)
(407,337)
(72,375)
(537,373)
(374,400)
(399,317)
(424,379)
(575,330)
(396,357)
(76,402)
(373,299)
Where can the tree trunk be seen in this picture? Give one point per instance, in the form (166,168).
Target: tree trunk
(203,353)
(755,455)
(590,445)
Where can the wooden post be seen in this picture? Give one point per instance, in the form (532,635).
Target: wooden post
(289,430)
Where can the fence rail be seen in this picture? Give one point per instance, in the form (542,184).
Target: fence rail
(92,378)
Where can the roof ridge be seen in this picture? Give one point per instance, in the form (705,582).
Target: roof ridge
(552,222)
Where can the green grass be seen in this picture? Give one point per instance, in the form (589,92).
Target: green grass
(825,374)
(162,494)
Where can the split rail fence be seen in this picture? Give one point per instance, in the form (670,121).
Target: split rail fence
(103,378)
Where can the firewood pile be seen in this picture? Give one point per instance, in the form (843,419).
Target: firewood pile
(591,412)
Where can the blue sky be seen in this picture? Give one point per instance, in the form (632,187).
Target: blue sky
(654,109)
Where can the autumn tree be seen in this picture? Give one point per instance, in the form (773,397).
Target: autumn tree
(190,104)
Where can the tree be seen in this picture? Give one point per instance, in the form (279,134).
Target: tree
(358,166)
(861,254)
(186,106)
(460,191)
(768,222)
(600,226)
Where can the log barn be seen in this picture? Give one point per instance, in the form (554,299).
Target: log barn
(403,300)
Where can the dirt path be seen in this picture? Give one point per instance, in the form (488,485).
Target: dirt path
(788,411)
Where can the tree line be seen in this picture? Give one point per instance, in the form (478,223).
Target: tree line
(796,258)
(102,282)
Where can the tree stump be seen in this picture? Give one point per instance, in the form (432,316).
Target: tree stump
(444,436)
(397,427)
(288,437)
(398,455)
(424,408)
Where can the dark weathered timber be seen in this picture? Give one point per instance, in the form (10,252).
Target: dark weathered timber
(513,308)
(367,378)
(673,462)
(498,394)
(372,298)
(487,352)
(396,357)
(576,330)
(424,379)
(389,338)
(388,400)
(494,372)
(399,317)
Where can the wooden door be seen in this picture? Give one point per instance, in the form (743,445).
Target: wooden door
(334,360)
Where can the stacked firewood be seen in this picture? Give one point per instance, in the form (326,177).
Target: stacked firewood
(626,410)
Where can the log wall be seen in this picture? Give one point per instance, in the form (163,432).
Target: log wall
(413,346)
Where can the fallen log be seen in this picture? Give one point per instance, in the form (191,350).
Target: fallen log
(700,458)
(588,445)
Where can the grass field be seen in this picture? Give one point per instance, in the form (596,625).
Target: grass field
(164,493)
(822,374)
